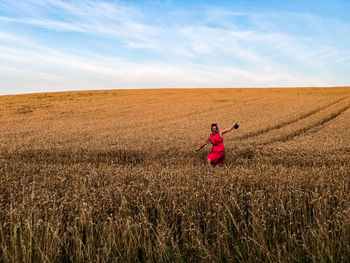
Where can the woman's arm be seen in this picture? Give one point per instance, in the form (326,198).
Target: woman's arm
(234,126)
(207,140)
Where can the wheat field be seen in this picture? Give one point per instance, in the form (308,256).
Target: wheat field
(113,176)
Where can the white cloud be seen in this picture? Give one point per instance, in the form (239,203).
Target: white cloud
(256,53)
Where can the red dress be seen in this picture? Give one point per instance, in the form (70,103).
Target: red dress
(217,154)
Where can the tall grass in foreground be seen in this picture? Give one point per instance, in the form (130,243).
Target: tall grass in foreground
(115,207)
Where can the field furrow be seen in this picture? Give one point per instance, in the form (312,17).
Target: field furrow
(316,124)
(287,122)
(301,125)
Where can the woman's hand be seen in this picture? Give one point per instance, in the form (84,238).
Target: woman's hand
(207,140)
(197,150)
(233,126)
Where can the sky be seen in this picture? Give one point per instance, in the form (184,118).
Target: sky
(59,45)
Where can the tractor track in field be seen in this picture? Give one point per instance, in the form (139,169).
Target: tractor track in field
(306,129)
(288,122)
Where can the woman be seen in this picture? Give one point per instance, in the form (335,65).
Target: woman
(217,154)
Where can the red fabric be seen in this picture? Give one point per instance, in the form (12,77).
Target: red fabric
(217,154)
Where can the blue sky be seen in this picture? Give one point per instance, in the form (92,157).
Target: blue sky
(81,45)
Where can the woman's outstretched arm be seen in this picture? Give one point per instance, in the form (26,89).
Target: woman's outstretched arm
(204,143)
(234,126)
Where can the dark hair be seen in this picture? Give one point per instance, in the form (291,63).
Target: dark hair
(214,125)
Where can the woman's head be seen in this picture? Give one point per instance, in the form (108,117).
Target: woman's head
(214,128)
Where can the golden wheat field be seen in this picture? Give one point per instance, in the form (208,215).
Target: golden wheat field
(113,176)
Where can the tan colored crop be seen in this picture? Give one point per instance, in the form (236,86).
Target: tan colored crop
(113,176)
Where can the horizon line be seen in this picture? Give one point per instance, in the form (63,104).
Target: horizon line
(173,88)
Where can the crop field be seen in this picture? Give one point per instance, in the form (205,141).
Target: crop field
(113,176)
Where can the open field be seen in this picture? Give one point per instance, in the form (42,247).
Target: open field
(113,176)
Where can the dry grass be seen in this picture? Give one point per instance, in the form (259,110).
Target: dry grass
(112,176)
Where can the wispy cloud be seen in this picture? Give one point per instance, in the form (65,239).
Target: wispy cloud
(59,45)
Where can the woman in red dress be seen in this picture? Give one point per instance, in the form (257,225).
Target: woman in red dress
(217,154)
